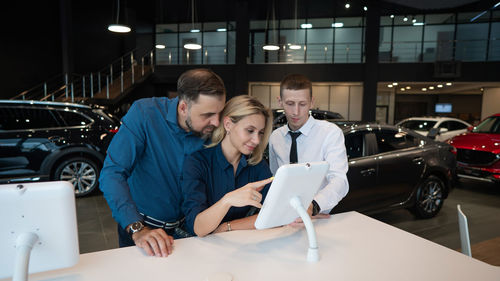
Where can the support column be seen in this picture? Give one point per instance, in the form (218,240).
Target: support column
(242,33)
(371,63)
(66,37)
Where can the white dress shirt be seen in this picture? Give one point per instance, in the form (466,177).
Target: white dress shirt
(319,141)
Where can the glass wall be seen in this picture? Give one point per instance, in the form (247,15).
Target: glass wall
(440,37)
(321,40)
(217,40)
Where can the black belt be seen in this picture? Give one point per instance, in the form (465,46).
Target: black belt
(161,224)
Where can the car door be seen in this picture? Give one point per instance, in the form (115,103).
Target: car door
(361,174)
(400,166)
(24,141)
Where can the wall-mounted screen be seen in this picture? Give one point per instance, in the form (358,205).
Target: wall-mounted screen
(443,108)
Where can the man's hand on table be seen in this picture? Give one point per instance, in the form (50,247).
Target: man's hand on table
(154,241)
(299,223)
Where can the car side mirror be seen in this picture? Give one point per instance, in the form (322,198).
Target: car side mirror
(433,133)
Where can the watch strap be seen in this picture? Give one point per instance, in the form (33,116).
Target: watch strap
(316,208)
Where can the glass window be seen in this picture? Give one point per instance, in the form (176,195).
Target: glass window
(389,140)
(418,125)
(384,50)
(288,24)
(385,21)
(467,17)
(22,118)
(494,51)
(190,56)
(354,144)
(350,22)
(348,45)
(319,45)
(454,125)
(471,42)
(438,42)
(74,119)
(170,54)
(490,125)
(439,19)
(407,43)
(165,28)
(214,26)
(187,27)
(318,23)
(257,24)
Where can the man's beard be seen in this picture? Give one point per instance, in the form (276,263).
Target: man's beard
(200,134)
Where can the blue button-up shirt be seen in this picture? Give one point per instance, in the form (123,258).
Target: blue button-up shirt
(142,169)
(208,176)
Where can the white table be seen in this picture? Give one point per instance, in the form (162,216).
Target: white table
(352,247)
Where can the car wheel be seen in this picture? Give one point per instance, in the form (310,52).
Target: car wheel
(81,172)
(429,197)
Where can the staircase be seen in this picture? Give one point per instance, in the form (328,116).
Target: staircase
(105,86)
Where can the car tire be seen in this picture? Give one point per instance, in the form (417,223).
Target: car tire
(429,198)
(82,172)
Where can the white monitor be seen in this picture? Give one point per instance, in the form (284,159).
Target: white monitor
(43,215)
(293,180)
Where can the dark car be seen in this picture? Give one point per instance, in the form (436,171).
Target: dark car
(280,118)
(54,141)
(478,151)
(391,167)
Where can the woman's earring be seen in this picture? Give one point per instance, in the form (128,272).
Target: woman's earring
(227,132)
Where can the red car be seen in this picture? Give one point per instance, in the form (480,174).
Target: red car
(478,151)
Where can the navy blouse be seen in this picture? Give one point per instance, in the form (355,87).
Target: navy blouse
(207,176)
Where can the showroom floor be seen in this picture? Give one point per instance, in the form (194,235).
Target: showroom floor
(479,201)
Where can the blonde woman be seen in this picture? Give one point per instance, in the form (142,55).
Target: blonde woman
(222,183)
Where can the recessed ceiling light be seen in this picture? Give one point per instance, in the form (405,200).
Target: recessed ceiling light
(338,24)
(424,89)
(194,30)
(390,86)
(440,86)
(347,5)
(392,16)
(270,47)
(365,8)
(395,83)
(306,25)
(448,84)
(403,89)
(192,46)
(221,29)
(408,87)
(431,87)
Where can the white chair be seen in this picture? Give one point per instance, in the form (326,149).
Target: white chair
(464,232)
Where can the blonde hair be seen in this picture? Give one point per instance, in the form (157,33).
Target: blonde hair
(238,108)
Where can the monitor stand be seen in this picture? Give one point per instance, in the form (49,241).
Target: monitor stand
(24,245)
(312,252)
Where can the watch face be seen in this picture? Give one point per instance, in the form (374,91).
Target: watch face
(136,226)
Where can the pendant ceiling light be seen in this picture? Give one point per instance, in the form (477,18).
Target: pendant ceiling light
(294,46)
(192,46)
(273,46)
(117,26)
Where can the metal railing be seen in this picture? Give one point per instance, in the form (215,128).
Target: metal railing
(119,75)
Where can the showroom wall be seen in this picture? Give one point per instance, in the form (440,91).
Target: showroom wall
(491,102)
(345,99)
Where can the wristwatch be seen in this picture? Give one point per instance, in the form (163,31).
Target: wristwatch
(135,227)
(316,208)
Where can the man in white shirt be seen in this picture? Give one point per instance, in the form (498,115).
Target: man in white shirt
(305,139)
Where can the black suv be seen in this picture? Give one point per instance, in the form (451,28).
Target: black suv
(54,141)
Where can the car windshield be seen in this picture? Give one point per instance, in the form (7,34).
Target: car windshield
(418,125)
(490,125)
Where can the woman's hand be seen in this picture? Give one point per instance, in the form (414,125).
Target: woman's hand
(247,195)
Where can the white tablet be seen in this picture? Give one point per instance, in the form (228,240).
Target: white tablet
(46,209)
(302,180)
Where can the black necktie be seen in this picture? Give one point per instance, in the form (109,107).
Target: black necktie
(293,149)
